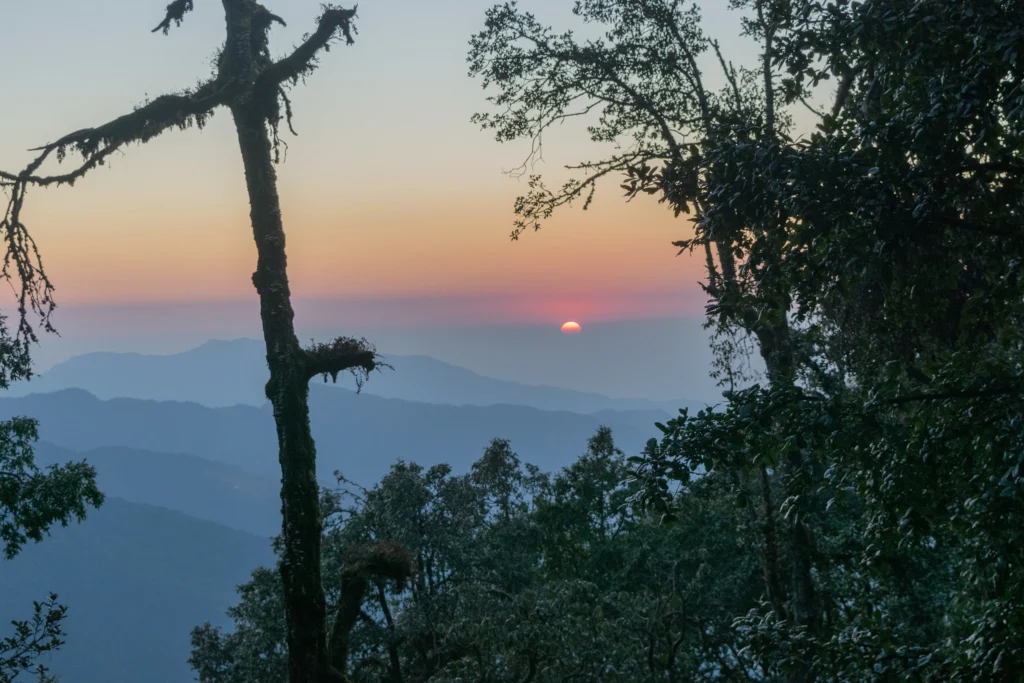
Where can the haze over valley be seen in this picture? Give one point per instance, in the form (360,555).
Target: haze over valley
(184,448)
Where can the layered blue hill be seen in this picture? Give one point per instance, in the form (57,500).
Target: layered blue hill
(359,434)
(226,373)
(136,580)
(186,450)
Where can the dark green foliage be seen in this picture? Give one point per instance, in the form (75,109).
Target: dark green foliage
(875,264)
(255,652)
(15,362)
(31,639)
(520,575)
(33,500)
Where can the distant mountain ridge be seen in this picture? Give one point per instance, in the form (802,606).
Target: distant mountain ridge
(136,579)
(189,484)
(362,435)
(193,489)
(226,373)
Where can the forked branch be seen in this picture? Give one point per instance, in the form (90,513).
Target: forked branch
(302,60)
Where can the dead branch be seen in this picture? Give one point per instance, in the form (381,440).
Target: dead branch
(249,83)
(147,121)
(96,159)
(36,292)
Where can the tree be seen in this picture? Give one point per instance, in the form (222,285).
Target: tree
(915,221)
(874,261)
(643,88)
(42,634)
(520,576)
(253,87)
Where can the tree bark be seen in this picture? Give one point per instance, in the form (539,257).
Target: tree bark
(287,392)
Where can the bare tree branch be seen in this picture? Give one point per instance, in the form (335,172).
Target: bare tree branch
(149,120)
(97,159)
(730,75)
(253,86)
(36,290)
(539,203)
(811,108)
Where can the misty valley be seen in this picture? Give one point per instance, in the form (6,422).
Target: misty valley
(193,492)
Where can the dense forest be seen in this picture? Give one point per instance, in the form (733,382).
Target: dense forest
(853,513)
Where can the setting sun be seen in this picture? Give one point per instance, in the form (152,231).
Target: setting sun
(571,328)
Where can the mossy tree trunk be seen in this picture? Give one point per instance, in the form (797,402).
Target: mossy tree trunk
(253,87)
(287,391)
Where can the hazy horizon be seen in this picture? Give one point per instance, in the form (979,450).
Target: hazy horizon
(665,358)
(154,252)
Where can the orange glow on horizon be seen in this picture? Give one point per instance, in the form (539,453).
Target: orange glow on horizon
(571,328)
(117,240)
(584,263)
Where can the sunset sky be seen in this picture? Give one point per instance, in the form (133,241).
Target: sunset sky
(389,193)
(388,190)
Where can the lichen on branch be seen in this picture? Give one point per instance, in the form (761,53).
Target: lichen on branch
(302,61)
(342,354)
(176,11)
(22,259)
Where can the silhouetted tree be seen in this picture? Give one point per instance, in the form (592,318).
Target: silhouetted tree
(253,87)
(520,576)
(644,85)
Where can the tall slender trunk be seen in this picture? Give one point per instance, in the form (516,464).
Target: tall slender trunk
(287,391)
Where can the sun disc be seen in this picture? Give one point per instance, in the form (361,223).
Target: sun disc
(571,328)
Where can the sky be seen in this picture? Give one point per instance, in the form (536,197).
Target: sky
(396,207)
